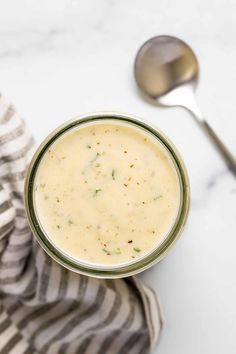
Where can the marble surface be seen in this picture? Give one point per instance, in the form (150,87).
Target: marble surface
(61,58)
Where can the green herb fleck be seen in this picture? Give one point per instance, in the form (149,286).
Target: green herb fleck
(45,197)
(131,166)
(42,185)
(136,249)
(58,226)
(95,158)
(97,165)
(158,197)
(113,174)
(97,190)
(106,251)
(70,222)
(118,251)
(88,146)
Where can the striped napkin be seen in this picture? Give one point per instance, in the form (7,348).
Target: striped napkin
(45,308)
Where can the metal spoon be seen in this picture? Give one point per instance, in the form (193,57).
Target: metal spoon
(166,70)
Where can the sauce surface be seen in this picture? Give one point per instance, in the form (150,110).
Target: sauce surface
(106,193)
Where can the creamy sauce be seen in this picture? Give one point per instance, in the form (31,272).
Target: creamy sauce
(106,193)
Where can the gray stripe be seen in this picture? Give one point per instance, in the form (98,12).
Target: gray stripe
(145,348)
(13,134)
(8,114)
(109,319)
(22,231)
(5,206)
(45,279)
(12,264)
(16,195)
(77,320)
(64,347)
(1,187)
(14,176)
(20,246)
(11,280)
(132,340)
(110,284)
(35,314)
(126,325)
(17,154)
(6,228)
(13,308)
(63,283)
(4,325)
(20,212)
(30,290)
(29,351)
(43,327)
(84,345)
(72,307)
(3,243)
(11,343)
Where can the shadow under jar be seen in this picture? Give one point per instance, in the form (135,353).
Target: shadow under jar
(107,195)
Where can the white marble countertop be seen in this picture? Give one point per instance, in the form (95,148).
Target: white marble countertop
(61,58)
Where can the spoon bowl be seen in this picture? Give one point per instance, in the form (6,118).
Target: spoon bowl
(164,63)
(166,71)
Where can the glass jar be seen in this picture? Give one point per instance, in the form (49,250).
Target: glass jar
(108,271)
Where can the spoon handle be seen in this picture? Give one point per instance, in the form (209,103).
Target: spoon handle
(226,154)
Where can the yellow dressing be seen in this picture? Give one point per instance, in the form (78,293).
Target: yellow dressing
(106,193)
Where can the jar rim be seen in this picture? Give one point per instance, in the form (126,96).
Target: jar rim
(111,271)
